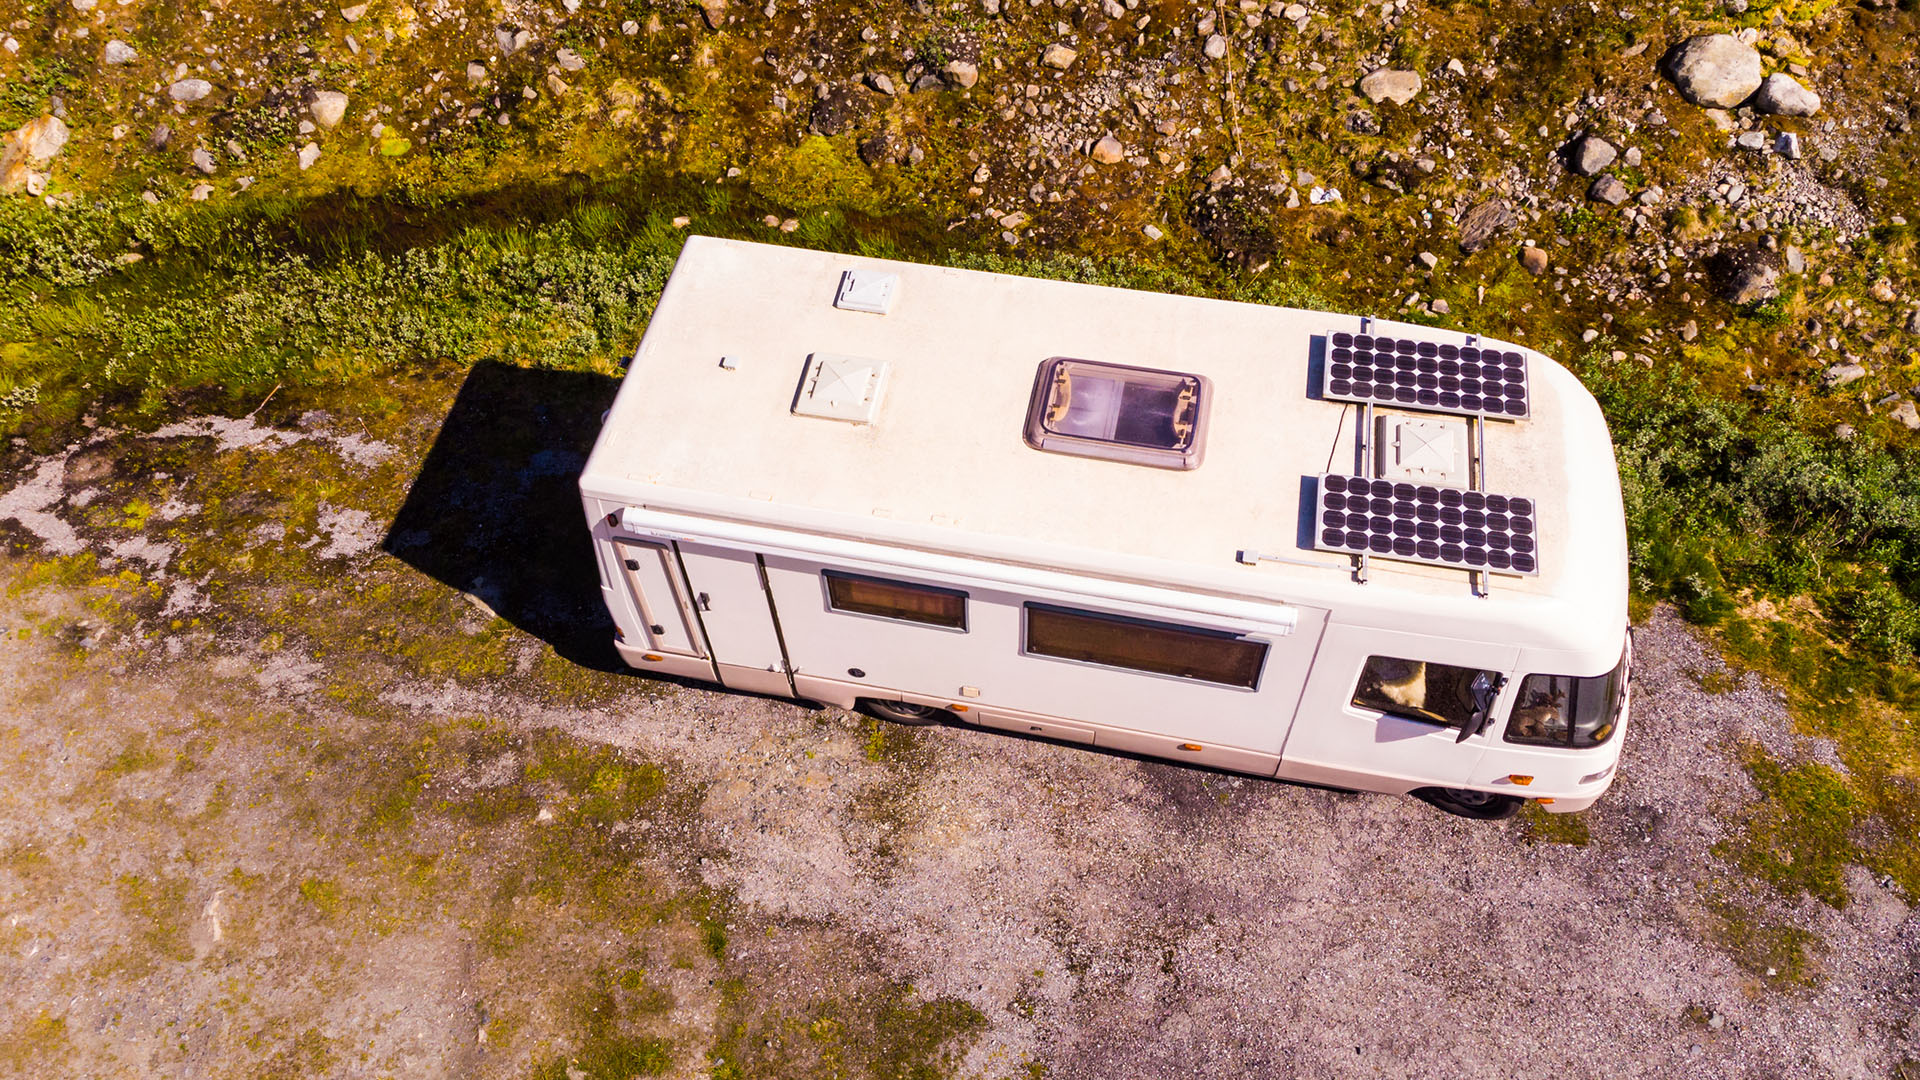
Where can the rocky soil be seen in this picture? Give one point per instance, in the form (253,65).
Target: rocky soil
(285,804)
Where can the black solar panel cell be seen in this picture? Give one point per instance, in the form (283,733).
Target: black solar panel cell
(1427,523)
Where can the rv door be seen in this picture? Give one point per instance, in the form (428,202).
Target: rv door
(734,610)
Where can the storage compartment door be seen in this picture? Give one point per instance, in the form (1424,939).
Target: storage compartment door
(731,602)
(664,608)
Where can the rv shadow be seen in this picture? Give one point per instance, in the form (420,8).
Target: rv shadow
(495,510)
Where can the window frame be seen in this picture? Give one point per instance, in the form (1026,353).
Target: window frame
(1411,713)
(829,576)
(1027,608)
(1622,671)
(1041,436)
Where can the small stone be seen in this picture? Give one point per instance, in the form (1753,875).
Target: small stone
(1482,223)
(630,27)
(1845,433)
(1882,290)
(682,222)
(189,89)
(203,160)
(328,108)
(1907,415)
(569,60)
(771,221)
(1320,196)
(1609,190)
(1533,260)
(879,81)
(118,52)
(201,192)
(1796,261)
(1716,71)
(1841,374)
(1782,95)
(1751,140)
(982,174)
(352,14)
(1153,232)
(1588,155)
(1788,145)
(790,225)
(961,74)
(1059,56)
(511,39)
(309,154)
(714,12)
(1109,151)
(476,73)
(1389,84)
(1429,260)
(1456,67)
(162,135)
(1215,48)
(1440,307)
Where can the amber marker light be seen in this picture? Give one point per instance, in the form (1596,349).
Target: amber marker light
(1544,802)
(1191,746)
(1523,781)
(958,708)
(652,657)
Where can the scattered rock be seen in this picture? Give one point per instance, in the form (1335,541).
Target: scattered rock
(879,150)
(1751,140)
(1390,84)
(714,12)
(162,135)
(1907,414)
(1109,151)
(1429,260)
(352,14)
(1782,95)
(569,60)
(1882,290)
(1746,273)
(203,161)
(189,90)
(309,154)
(1533,260)
(879,81)
(1841,374)
(1216,47)
(1796,261)
(118,52)
(1481,224)
(1690,331)
(1589,154)
(1059,56)
(1153,232)
(27,152)
(201,192)
(1715,71)
(961,74)
(511,39)
(328,108)
(1609,190)
(476,73)
(1788,145)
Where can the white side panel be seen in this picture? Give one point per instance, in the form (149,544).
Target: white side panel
(1335,742)
(734,612)
(898,659)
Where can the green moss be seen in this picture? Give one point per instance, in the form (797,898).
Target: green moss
(1539,826)
(1764,946)
(157,908)
(1797,837)
(324,895)
(884,1033)
(136,756)
(607,1011)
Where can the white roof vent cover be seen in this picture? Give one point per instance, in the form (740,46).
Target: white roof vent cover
(837,387)
(867,290)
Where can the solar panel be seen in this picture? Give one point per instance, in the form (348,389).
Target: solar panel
(1468,530)
(1484,379)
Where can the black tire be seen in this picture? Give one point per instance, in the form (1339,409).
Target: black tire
(1478,805)
(901,712)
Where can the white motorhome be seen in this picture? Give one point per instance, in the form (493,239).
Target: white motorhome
(1321,548)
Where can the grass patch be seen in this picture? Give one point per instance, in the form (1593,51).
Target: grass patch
(1797,837)
(1541,827)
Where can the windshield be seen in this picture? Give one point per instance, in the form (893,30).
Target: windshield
(1564,710)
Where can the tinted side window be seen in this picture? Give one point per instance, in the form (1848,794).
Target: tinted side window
(897,600)
(1188,652)
(1419,689)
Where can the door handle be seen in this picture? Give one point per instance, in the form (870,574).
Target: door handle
(705,602)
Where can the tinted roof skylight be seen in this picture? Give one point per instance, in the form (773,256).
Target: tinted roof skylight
(1137,415)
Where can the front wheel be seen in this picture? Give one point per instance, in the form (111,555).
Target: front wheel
(901,712)
(1478,805)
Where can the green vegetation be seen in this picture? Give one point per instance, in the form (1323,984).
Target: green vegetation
(1542,827)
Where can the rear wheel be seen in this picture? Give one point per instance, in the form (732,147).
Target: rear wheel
(901,712)
(1478,805)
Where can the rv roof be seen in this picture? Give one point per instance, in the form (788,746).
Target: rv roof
(711,421)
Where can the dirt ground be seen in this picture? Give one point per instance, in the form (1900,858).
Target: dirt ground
(311,766)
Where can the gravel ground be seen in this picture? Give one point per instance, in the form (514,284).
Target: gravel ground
(1106,916)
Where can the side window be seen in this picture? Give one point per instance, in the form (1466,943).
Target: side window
(1419,689)
(1214,656)
(1561,710)
(897,600)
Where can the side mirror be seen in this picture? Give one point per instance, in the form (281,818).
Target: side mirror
(1485,690)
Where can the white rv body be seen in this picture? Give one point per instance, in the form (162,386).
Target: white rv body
(721,502)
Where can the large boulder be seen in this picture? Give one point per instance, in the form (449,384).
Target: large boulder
(1714,71)
(1589,154)
(1782,95)
(1745,273)
(1481,224)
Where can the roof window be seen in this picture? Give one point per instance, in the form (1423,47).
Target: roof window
(1137,415)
